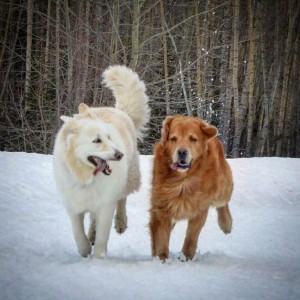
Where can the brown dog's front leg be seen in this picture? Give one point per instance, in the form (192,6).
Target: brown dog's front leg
(160,230)
(192,234)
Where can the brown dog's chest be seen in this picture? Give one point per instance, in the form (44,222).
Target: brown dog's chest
(182,199)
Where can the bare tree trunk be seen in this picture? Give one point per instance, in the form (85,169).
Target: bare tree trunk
(165,49)
(226,93)
(70,70)
(97,73)
(293,13)
(43,82)
(298,118)
(115,32)
(79,55)
(291,117)
(187,104)
(7,28)
(28,50)
(263,131)
(57,61)
(205,101)
(199,85)
(135,35)
(86,52)
(47,50)
(251,71)
(235,50)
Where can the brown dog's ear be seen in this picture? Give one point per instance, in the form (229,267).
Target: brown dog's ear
(209,130)
(166,128)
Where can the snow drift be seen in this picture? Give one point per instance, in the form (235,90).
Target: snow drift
(260,259)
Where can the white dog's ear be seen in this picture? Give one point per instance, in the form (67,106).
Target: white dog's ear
(166,128)
(70,125)
(209,130)
(86,112)
(83,108)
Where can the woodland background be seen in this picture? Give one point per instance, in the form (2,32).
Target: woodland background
(234,63)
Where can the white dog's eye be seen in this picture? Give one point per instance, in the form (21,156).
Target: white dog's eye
(97,140)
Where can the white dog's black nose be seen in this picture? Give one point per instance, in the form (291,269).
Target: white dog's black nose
(182,153)
(118,155)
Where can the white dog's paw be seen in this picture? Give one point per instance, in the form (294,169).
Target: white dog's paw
(84,249)
(100,253)
(120,224)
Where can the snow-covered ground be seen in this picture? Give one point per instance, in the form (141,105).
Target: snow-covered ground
(260,259)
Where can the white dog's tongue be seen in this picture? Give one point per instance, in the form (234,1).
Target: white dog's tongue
(102,166)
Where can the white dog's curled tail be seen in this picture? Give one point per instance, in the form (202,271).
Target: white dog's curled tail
(130,94)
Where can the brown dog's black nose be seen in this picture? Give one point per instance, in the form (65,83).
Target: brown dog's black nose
(118,155)
(182,153)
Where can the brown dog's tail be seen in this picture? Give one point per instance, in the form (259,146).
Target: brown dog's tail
(130,94)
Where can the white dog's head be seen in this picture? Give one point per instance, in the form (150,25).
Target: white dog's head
(88,147)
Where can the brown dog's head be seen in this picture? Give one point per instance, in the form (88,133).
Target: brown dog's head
(185,140)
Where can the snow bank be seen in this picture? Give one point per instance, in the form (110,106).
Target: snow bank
(260,259)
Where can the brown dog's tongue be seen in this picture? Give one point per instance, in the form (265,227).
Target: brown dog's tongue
(174,166)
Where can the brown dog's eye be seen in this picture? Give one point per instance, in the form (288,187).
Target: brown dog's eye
(97,140)
(173,139)
(192,139)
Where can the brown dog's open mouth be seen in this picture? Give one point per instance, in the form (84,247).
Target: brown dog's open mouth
(100,164)
(180,165)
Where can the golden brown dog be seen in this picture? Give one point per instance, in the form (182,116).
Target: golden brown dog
(190,174)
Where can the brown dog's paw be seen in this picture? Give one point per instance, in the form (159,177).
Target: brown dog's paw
(226,230)
(184,257)
(120,224)
(226,227)
(163,257)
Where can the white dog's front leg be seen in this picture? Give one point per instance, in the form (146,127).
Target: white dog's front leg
(103,225)
(83,244)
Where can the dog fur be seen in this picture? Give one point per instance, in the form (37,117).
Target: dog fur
(96,163)
(190,174)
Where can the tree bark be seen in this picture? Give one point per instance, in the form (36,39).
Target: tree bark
(6,32)
(165,51)
(70,68)
(57,61)
(135,35)
(293,13)
(199,85)
(85,49)
(251,71)
(235,50)
(28,51)
(115,32)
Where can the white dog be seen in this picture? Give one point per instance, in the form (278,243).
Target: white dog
(96,163)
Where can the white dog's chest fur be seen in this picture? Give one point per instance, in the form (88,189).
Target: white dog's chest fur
(104,190)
